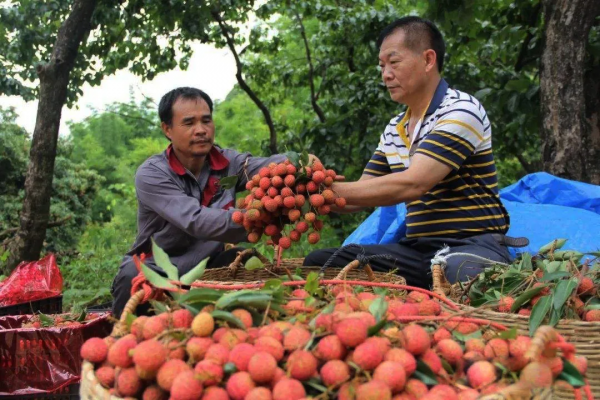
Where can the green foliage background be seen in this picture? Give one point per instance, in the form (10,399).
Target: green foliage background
(493,51)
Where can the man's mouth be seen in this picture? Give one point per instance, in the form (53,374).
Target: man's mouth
(203,141)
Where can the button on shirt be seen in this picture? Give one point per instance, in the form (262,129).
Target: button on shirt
(454,130)
(190,218)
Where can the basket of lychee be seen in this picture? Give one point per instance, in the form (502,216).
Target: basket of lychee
(228,350)
(286,201)
(554,287)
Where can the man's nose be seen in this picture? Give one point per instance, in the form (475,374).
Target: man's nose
(200,129)
(387,74)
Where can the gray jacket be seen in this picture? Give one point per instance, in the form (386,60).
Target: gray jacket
(189,218)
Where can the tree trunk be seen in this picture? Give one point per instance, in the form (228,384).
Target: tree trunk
(570,124)
(54,79)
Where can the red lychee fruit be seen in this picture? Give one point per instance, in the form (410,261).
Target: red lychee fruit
(505,304)
(312,187)
(239,385)
(154,326)
(301,365)
(407,360)
(519,346)
(580,362)
(335,372)
(241,354)
(291,169)
(186,387)
(280,169)
(416,297)
(289,180)
(416,388)
(106,376)
(524,311)
(348,391)
(148,357)
(475,345)
(269,345)
(237,217)
(300,200)
(285,242)
(441,334)
(182,318)
(217,353)
(450,351)
(340,202)
(555,364)
(496,348)
(277,181)
(154,392)
(373,390)
(329,196)
(296,338)
(203,324)
(404,310)
(215,393)
(232,337)
(324,210)
(537,374)
(94,350)
(429,307)
(302,227)
(432,360)
(259,393)
(288,389)
(271,331)
(367,356)
(253,237)
(468,394)
(445,392)
(586,286)
(209,373)
(289,202)
(316,200)
(137,326)
(330,348)
(244,316)
(264,172)
(196,348)
(168,371)
(310,217)
(318,177)
(481,374)
(271,230)
(128,382)
(118,353)
(313,238)
(294,236)
(351,331)
(262,367)
(392,374)
(264,183)
(592,316)
(416,339)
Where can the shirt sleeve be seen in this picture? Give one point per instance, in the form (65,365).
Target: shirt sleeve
(455,135)
(162,195)
(378,164)
(246,166)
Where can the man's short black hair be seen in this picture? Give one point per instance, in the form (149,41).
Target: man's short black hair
(165,107)
(418,32)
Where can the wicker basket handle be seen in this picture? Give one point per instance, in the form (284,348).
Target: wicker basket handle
(520,391)
(441,285)
(120,327)
(543,336)
(353,265)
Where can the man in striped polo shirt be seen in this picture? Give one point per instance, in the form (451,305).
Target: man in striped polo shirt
(437,158)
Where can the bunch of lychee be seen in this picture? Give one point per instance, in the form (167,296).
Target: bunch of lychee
(331,352)
(285,202)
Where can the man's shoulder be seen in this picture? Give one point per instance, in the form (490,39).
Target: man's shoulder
(456,99)
(153,163)
(391,126)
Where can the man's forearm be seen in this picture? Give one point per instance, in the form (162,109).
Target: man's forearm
(381,191)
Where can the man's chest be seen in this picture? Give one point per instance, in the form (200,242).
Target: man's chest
(402,140)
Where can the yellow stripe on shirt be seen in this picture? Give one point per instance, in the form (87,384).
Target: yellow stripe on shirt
(443,159)
(463,124)
(441,221)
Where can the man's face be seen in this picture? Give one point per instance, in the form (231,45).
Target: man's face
(192,130)
(403,70)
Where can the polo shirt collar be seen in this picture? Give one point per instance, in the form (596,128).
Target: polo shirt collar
(216,160)
(438,97)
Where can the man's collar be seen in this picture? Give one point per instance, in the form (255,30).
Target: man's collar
(438,97)
(216,160)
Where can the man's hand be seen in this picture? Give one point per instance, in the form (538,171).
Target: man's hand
(312,158)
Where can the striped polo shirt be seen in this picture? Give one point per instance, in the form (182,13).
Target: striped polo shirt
(454,130)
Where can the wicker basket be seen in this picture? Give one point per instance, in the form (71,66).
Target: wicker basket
(584,335)
(236,274)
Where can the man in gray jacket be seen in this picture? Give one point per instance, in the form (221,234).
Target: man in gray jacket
(180,202)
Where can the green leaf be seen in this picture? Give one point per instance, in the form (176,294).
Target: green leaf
(158,306)
(373,330)
(562,291)
(526,296)
(481,94)
(293,157)
(312,282)
(378,308)
(554,276)
(195,273)
(228,317)
(464,338)
(243,297)
(304,158)
(566,255)
(129,320)
(162,260)
(273,284)
(553,266)
(571,374)
(81,316)
(380,291)
(538,313)
(254,263)
(525,262)
(328,309)
(200,295)
(228,182)
(592,307)
(447,366)
(508,334)
(45,320)
(316,384)
(229,368)
(155,279)
(556,243)
(425,374)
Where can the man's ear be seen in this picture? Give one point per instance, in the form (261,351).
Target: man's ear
(430,59)
(166,130)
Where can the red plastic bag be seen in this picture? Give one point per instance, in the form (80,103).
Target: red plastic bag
(33,280)
(43,360)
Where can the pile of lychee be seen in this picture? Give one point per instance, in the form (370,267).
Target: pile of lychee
(59,320)
(338,351)
(285,202)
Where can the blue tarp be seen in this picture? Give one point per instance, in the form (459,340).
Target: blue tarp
(542,208)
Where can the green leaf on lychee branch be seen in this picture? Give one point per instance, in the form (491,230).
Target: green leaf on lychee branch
(162,260)
(555,244)
(328,309)
(425,374)
(538,313)
(228,182)
(81,316)
(248,298)
(155,279)
(554,276)
(45,320)
(562,292)
(254,263)
(195,273)
(571,375)
(447,367)
(158,306)
(312,282)
(293,157)
(316,384)
(508,334)
(463,338)
(304,158)
(373,330)
(228,317)
(378,308)
(200,295)
(526,296)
